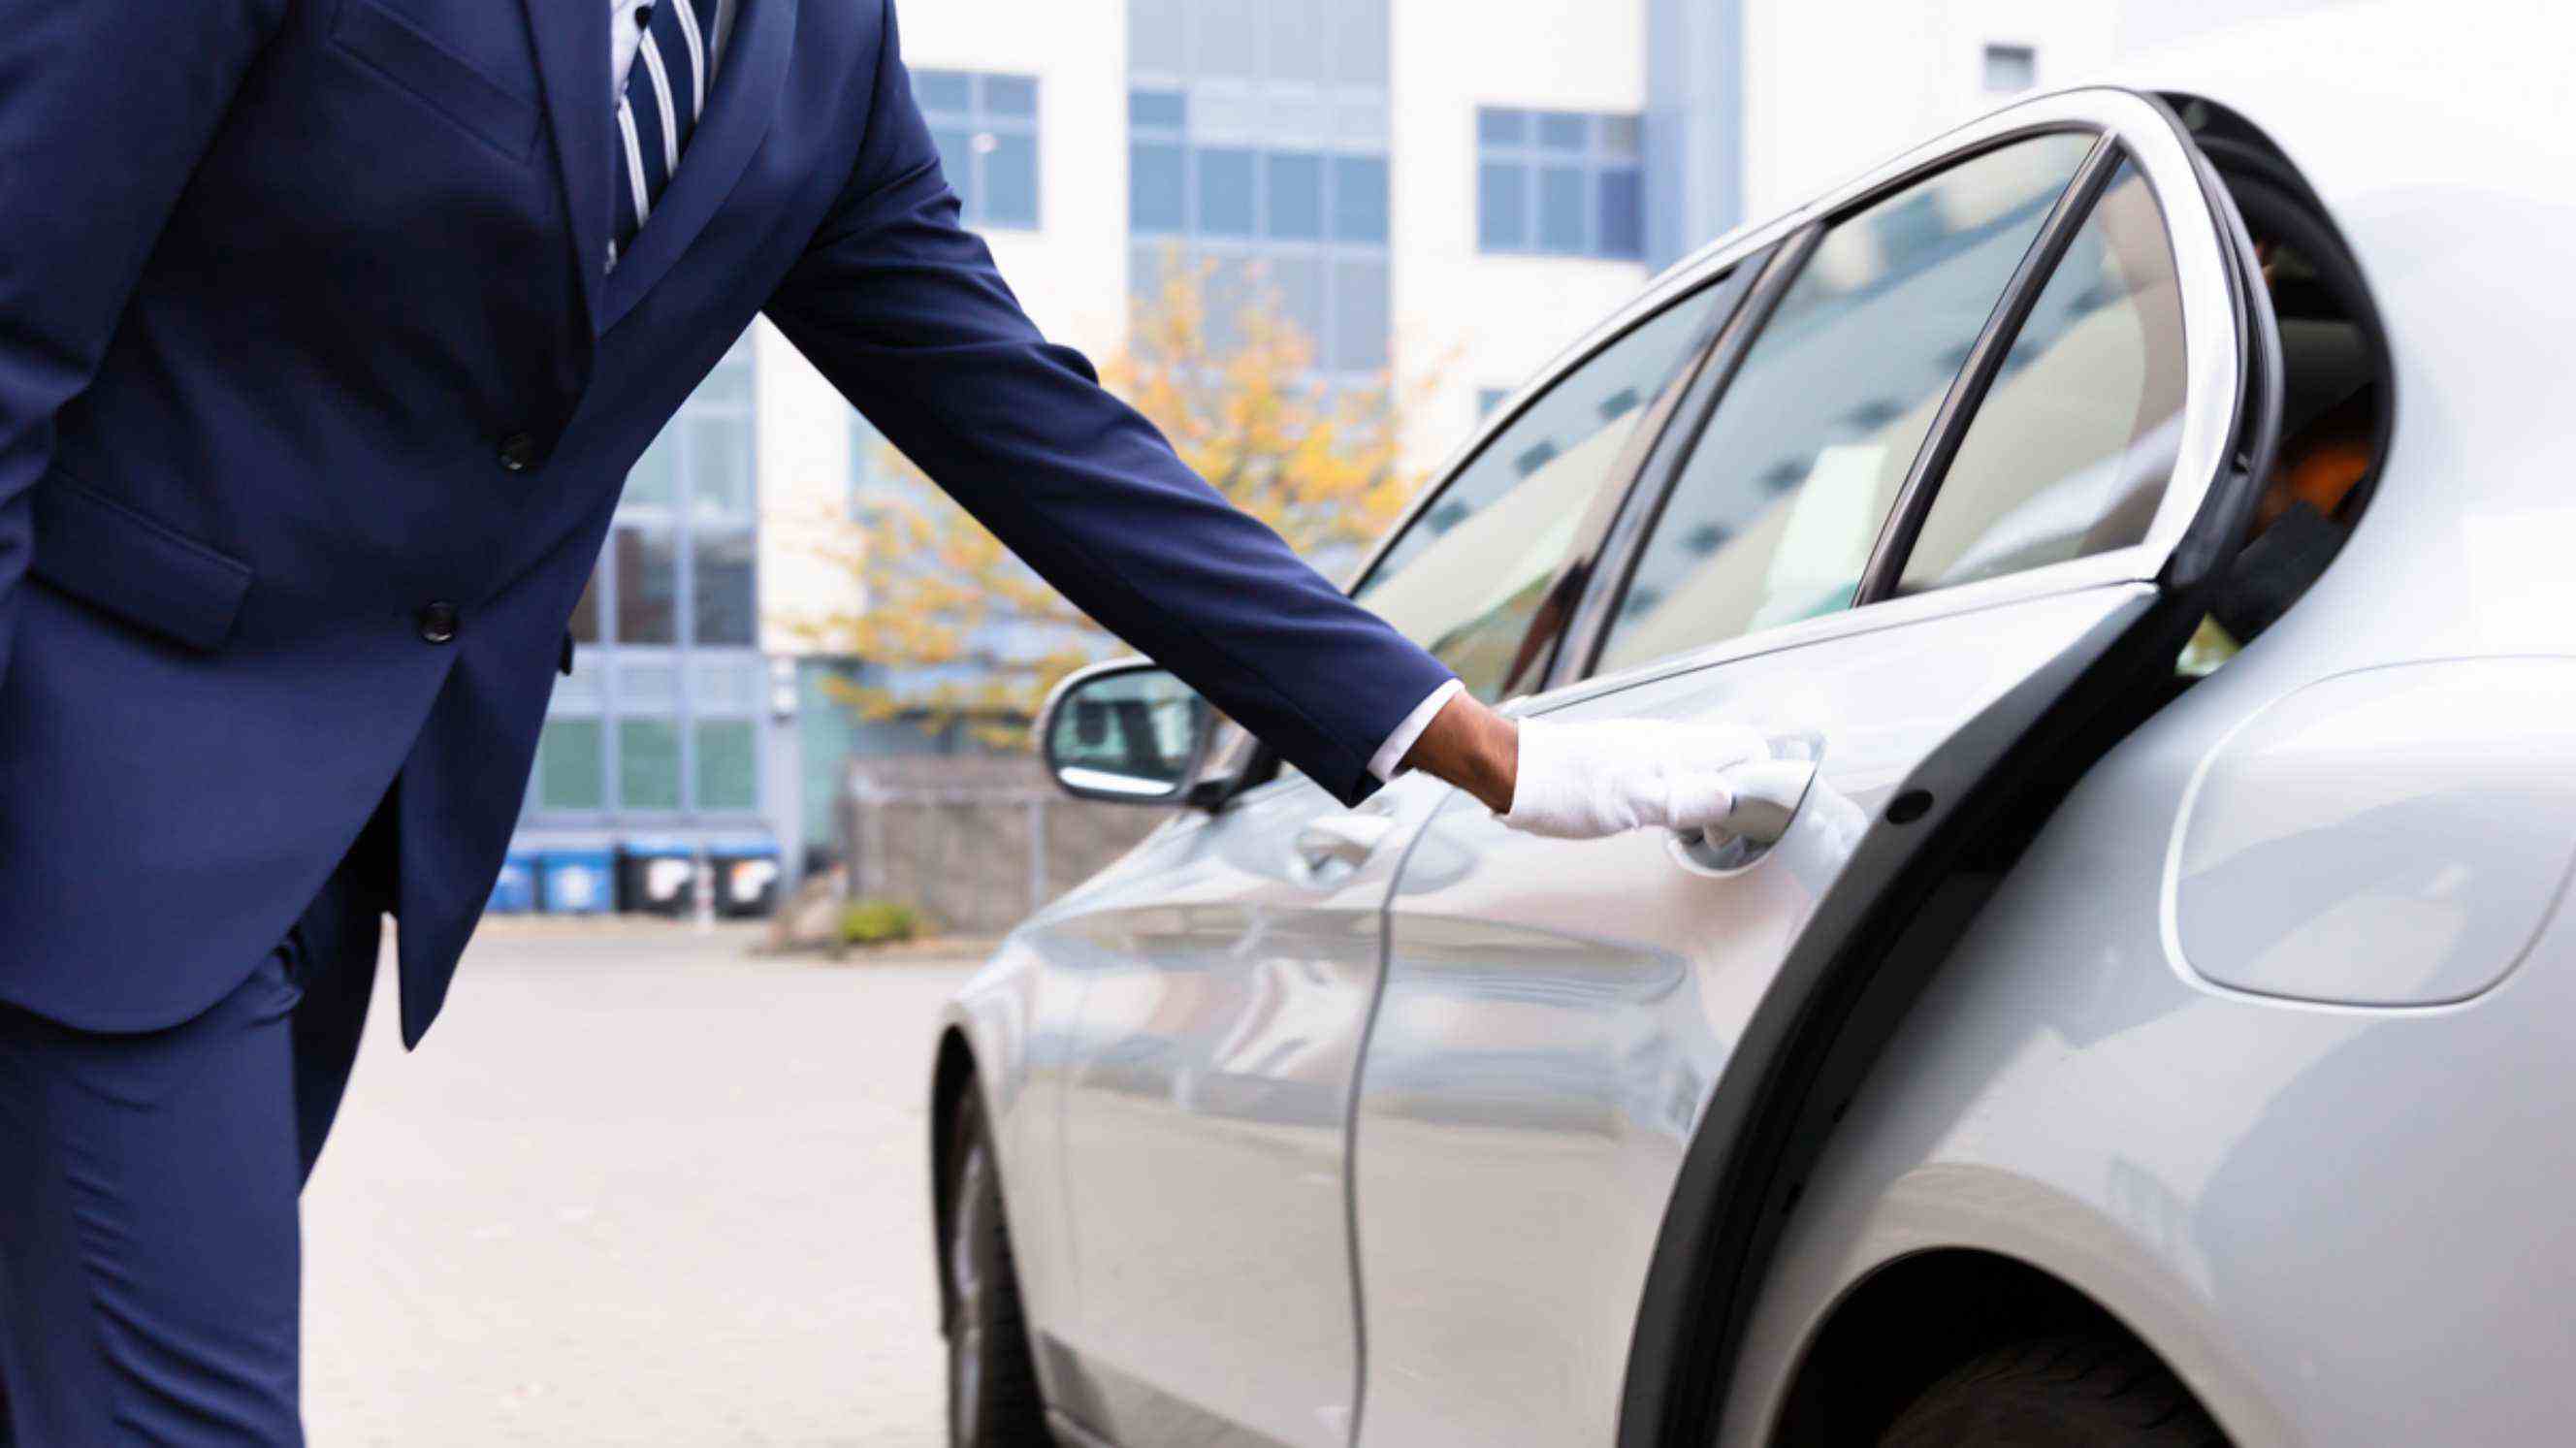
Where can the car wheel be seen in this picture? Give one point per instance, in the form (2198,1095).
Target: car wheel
(993,1397)
(2059,1392)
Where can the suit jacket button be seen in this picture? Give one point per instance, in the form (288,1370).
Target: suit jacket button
(518,451)
(438,623)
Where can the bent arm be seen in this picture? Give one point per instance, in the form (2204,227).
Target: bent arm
(104,112)
(903,310)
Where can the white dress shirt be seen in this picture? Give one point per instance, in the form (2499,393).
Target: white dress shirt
(1390,755)
(626,21)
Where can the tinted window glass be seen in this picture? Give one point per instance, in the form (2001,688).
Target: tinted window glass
(726,612)
(941,90)
(648,585)
(1623,213)
(1501,208)
(728,768)
(1225,192)
(2070,452)
(1154,187)
(1296,196)
(1164,109)
(1776,510)
(1359,198)
(1010,95)
(1011,180)
(568,765)
(1560,209)
(1466,579)
(648,764)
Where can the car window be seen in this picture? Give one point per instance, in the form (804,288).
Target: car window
(1467,577)
(2070,451)
(1775,512)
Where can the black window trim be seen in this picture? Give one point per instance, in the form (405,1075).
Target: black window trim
(1651,488)
(1976,376)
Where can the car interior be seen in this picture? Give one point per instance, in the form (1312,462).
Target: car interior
(2336,406)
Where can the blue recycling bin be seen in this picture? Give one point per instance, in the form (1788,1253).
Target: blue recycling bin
(515,892)
(576,881)
(747,877)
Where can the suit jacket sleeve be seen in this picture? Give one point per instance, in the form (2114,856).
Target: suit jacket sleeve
(104,112)
(903,310)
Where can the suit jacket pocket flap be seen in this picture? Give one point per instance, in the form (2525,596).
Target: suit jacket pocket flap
(402,54)
(115,559)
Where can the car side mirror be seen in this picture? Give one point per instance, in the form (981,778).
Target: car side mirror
(1125,731)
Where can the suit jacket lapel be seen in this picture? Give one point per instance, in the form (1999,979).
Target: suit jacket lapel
(572,63)
(739,112)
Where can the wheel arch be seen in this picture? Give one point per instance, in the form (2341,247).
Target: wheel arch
(1869,1356)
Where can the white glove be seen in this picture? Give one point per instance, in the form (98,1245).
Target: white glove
(1581,780)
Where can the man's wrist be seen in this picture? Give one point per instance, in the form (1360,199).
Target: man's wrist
(1472,747)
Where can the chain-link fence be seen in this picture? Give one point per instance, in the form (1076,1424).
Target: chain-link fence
(974,843)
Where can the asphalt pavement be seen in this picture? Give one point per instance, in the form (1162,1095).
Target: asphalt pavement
(637,1187)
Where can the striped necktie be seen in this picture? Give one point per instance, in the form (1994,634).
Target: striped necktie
(666,92)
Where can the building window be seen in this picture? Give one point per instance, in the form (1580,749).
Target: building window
(1258,143)
(986,127)
(2011,68)
(659,718)
(1559,183)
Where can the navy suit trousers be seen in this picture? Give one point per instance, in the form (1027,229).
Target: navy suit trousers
(150,1260)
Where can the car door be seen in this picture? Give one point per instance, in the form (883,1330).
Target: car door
(1229,966)
(1969,448)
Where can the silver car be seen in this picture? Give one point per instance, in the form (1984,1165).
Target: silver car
(2131,1006)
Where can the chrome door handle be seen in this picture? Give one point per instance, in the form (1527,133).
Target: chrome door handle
(1345,839)
(1767,795)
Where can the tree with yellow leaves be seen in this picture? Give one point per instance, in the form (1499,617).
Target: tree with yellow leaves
(963,633)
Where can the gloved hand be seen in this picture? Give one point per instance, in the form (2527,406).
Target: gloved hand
(1583,779)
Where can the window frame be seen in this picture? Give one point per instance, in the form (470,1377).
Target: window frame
(2127,126)
(1622,479)
(1348,271)
(1594,162)
(1734,263)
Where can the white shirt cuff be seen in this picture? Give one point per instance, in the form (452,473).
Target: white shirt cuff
(1390,755)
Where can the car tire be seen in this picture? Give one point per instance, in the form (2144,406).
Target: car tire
(2058,1392)
(993,1399)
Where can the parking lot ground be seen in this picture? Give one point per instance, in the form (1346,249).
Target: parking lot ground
(637,1187)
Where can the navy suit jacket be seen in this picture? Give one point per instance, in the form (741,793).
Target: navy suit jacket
(307,343)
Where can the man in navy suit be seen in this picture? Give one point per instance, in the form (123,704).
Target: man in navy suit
(328,331)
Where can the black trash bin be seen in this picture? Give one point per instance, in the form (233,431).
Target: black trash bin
(747,878)
(656,876)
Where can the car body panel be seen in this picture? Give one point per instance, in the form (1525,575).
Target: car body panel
(1226,985)
(1556,1014)
(2390,837)
(2338,1224)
